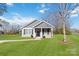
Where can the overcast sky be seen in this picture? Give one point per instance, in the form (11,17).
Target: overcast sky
(21,13)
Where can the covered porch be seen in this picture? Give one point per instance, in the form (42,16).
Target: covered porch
(42,32)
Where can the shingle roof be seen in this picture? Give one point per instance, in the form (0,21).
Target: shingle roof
(32,24)
(38,24)
(43,25)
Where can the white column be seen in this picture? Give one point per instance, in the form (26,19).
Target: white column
(22,32)
(41,33)
(34,35)
(52,32)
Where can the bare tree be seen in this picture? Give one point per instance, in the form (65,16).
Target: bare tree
(3,9)
(54,19)
(3,25)
(65,10)
(61,16)
(14,29)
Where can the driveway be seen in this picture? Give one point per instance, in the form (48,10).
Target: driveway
(3,41)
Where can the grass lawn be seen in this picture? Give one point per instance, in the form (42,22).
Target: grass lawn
(49,47)
(12,37)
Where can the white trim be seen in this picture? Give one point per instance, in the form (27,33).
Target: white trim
(43,27)
(27,28)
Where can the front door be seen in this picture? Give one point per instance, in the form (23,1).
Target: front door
(37,32)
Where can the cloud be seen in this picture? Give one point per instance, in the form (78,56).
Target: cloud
(10,4)
(18,19)
(43,10)
(21,21)
(74,15)
(75,12)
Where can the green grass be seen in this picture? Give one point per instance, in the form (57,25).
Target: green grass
(12,37)
(48,47)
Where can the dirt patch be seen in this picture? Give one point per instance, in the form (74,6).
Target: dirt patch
(67,42)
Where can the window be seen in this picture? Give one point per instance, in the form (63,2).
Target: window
(27,31)
(24,31)
(30,31)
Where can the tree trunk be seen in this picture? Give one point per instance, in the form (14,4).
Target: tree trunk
(64,32)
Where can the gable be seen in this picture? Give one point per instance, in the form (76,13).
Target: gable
(38,24)
(43,25)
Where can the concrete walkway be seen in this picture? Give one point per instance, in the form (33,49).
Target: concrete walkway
(3,41)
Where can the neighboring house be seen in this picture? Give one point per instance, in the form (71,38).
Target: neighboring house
(37,29)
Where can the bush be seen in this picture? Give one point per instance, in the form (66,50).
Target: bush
(43,36)
(31,36)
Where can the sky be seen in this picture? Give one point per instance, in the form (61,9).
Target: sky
(22,13)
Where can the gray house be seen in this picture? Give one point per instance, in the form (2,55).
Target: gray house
(37,29)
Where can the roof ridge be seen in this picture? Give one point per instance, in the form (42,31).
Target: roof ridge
(38,24)
(31,22)
(44,22)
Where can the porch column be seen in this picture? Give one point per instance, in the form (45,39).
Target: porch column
(41,33)
(34,35)
(22,33)
(52,32)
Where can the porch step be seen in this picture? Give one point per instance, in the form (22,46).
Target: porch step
(38,38)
